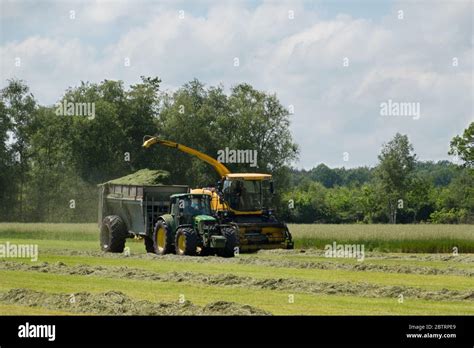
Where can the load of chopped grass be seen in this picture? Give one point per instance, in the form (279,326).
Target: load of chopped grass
(143,177)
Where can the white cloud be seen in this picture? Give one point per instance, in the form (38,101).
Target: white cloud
(336,107)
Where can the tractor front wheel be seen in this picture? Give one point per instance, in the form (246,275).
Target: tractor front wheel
(232,242)
(163,238)
(186,242)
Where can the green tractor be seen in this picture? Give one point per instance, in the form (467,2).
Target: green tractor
(190,229)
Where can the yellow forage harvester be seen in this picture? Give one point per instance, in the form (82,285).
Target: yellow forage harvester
(239,199)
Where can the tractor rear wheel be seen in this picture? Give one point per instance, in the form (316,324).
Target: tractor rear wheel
(232,241)
(163,241)
(113,233)
(186,241)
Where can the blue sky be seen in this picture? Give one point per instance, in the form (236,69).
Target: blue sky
(399,51)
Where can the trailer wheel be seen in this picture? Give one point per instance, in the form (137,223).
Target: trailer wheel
(163,241)
(186,241)
(113,233)
(231,235)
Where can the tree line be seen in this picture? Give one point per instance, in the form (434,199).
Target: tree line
(52,158)
(440,192)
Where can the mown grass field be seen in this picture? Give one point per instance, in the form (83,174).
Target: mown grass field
(407,269)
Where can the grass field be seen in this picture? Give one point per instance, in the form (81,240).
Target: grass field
(401,274)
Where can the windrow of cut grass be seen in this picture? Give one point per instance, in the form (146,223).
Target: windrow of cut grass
(275,302)
(212,266)
(462,264)
(248,279)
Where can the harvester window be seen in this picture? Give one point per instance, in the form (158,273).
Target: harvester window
(243,195)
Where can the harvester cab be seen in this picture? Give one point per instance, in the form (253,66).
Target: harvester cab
(247,193)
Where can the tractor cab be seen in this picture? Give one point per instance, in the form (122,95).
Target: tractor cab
(185,207)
